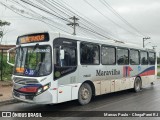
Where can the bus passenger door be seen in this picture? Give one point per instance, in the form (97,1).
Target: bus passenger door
(65,68)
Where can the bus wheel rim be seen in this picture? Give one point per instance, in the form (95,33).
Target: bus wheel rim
(85,93)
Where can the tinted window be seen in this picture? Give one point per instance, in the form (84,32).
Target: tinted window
(152,58)
(89,53)
(65,57)
(108,55)
(144,58)
(122,56)
(68,59)
(134,57)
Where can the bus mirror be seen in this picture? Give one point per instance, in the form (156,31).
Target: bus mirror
(8,56)
(62,54)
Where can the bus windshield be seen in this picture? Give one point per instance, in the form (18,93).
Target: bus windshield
(33,61)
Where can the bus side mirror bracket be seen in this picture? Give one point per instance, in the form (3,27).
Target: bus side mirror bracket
(8,56)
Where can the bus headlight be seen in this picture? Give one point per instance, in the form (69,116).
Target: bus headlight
(43,88)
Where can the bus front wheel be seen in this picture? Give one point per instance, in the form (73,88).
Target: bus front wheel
(84,94)
(137,84)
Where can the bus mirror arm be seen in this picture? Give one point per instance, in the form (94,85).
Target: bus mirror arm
(8,56)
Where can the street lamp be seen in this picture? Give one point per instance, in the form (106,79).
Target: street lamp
(144,39)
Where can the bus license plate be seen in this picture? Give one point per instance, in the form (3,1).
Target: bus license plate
(22,96)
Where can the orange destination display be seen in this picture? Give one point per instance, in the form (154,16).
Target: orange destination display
(38,37)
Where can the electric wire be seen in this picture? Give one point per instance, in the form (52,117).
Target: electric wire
(107,17)
(106,4)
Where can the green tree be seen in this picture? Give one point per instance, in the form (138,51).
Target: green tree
(2,29)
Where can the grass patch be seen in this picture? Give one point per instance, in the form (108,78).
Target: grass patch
(158,66)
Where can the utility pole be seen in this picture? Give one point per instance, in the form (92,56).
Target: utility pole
(74,24)
(144,39)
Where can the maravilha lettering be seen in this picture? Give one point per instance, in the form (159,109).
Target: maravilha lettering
(106,73)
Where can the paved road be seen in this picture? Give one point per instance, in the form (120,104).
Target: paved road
(146,100)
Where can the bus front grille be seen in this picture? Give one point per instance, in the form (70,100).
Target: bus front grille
(25,81)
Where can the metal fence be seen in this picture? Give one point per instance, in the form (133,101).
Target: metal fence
(5,69)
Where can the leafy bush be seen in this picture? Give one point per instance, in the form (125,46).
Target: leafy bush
(5,67)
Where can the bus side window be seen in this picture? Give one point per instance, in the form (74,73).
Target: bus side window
(134,57)
(122,56)
(69,57)
(144,58)
(89,53)
(108,55)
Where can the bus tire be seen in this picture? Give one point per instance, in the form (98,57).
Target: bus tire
(84,94)
(137,84)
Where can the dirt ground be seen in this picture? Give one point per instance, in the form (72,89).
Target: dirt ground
(5,90)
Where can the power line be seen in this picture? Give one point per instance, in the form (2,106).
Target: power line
(106,16)
(82,19)
(90,22)
(43,4)
(44,10)
(46,5)
(50,8)
(90,29)
(95,32)
(49,5)
(58,7)
(65,11)
(40,20)
(32,18)
(119,16)
(42,17)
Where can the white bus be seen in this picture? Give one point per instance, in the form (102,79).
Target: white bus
(53,68)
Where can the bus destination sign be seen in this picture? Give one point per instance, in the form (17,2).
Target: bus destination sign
(38,37)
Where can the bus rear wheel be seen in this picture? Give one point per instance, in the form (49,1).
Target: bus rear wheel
(84,94)
(137,84)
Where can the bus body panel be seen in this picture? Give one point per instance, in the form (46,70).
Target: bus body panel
(105,78)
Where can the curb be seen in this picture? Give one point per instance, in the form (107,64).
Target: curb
(10,101)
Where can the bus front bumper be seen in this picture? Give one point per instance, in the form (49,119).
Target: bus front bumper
(43,98)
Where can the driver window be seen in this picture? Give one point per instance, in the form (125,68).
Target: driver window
(69,58)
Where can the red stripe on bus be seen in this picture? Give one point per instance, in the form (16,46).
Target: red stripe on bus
(29,89)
